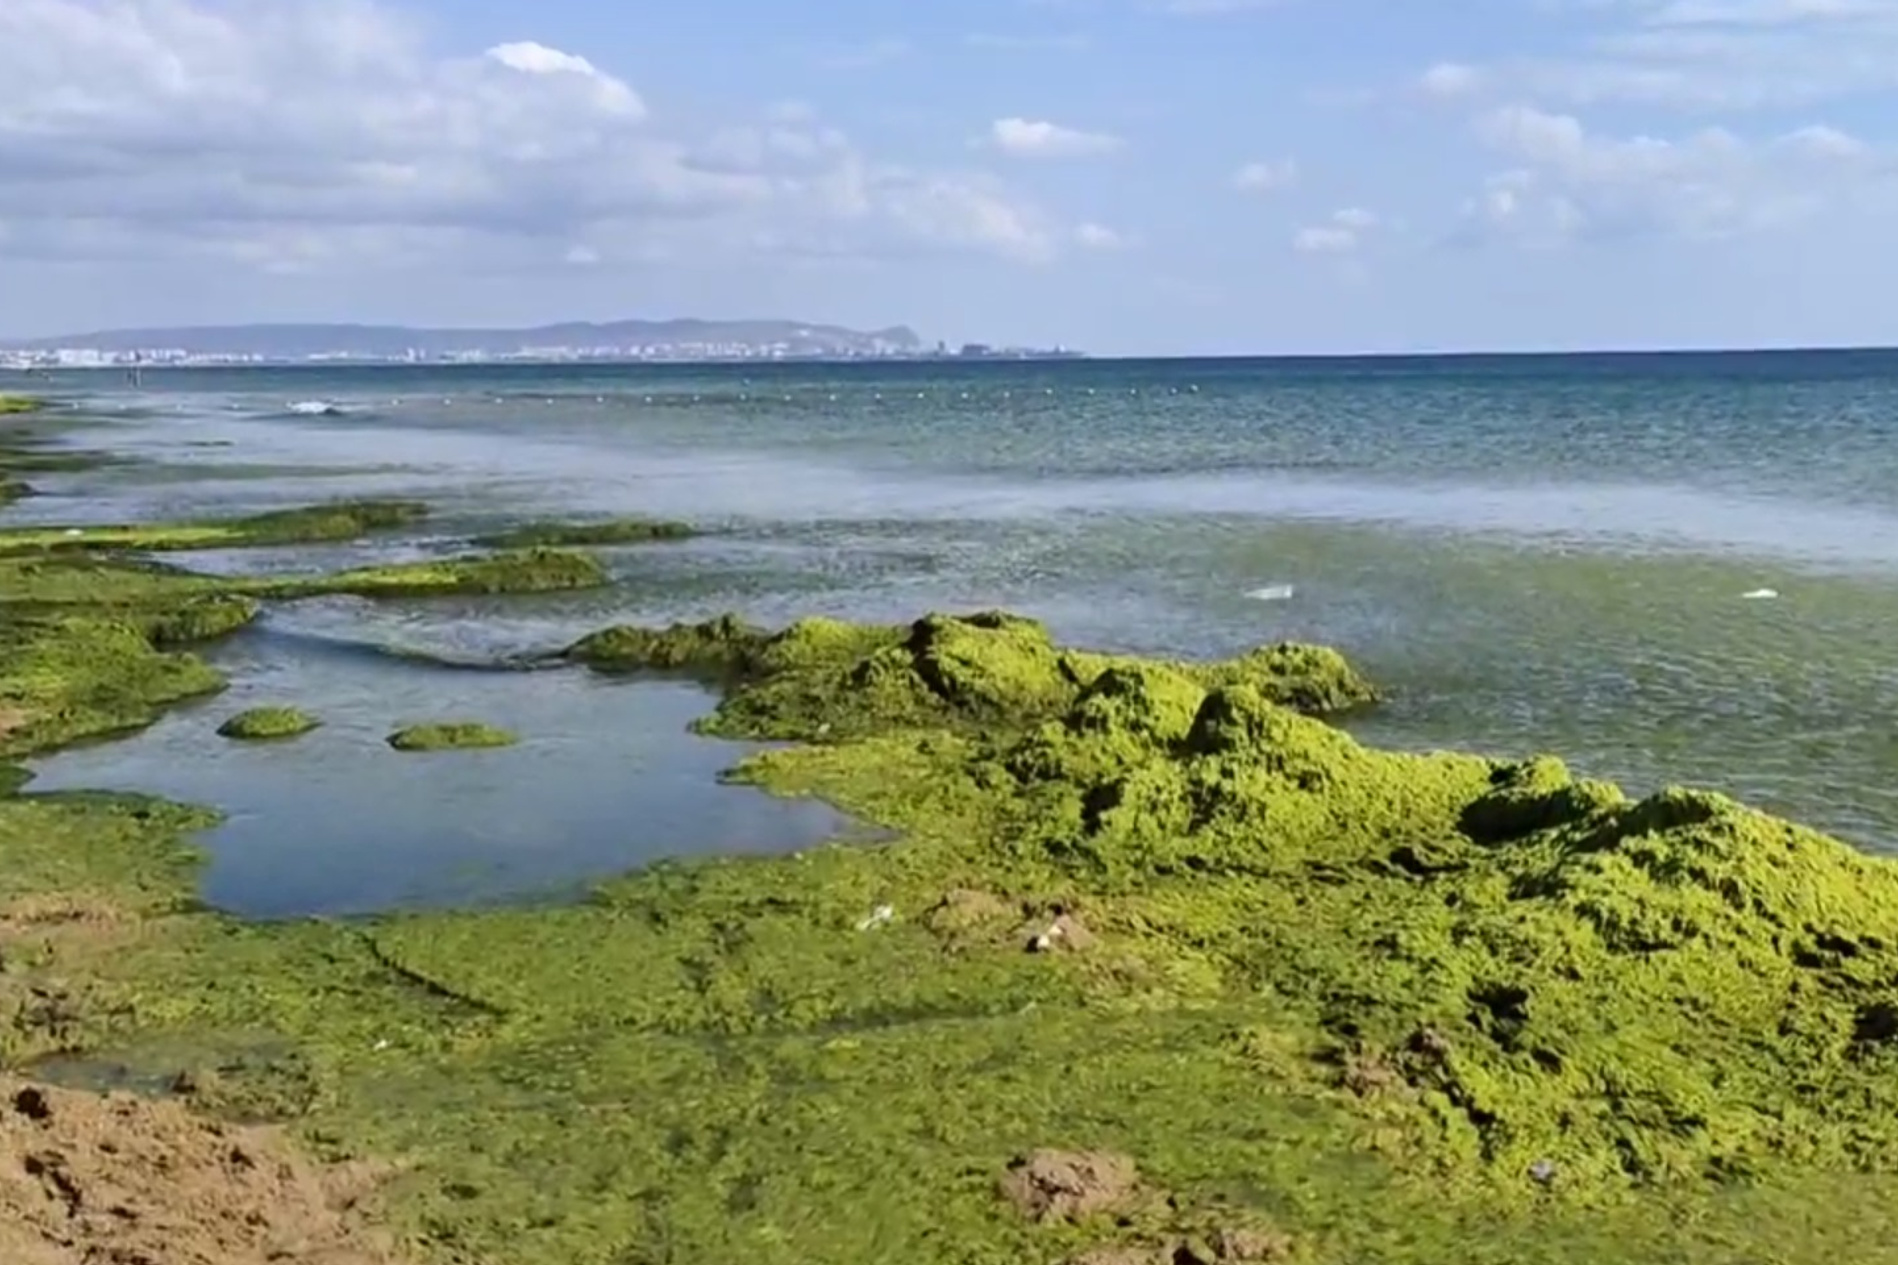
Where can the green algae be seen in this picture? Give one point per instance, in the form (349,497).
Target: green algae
(459,735)
(612,531)
(17,404)
(1403,1007)
(715,1061)
(51,580)
(334,521)
(64,679)
(311,524)
(982,671)
(259,724)
(524,571)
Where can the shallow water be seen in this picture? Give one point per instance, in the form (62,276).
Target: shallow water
(1531,554)
(604,779)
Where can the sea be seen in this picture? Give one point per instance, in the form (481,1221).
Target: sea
(1667,569)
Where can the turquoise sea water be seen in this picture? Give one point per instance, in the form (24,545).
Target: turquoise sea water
(1531,553)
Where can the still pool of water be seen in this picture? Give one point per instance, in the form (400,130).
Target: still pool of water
(604,779)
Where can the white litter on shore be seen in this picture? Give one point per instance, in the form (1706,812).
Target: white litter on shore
(1759,595)
(1271,593)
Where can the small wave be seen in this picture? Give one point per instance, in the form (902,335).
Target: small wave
(358,648)
(315,408)
(1271,593)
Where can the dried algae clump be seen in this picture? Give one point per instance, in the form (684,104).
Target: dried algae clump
(261,724)
(450,736)
(613,531)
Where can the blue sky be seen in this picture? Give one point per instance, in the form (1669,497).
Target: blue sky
(1130,176)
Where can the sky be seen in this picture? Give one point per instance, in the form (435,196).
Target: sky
(1165,177)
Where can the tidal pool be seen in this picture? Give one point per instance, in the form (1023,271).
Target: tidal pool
(605,778)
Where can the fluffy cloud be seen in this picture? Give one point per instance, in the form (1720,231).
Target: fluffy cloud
(289,134)
(1342,234)
(1571,183)
(1038,138)
(1262,177)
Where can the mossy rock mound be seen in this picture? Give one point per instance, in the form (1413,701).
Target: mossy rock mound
(451,736)
(1506,970)
(524,571)
(329,521)
(262,724)
(199,619)
(87,675)
(613,531)
(11,404)
(828,678)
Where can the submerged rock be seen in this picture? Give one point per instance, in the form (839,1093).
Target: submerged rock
(612,531)
(450,735)
(266,723)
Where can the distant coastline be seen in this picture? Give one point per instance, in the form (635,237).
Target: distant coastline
(617,342)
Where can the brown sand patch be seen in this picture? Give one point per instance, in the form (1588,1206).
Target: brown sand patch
(88,1179)
(1051,1185)
(12,718)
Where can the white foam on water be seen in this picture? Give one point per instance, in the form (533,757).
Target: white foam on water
(1756,595)
(1271,593)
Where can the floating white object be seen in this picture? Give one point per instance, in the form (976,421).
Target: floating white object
(1758,594)
(314,407)
(1271,593)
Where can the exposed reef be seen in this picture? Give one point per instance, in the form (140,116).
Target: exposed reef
(459,735)
(612,531)
(334,521)
(263,724)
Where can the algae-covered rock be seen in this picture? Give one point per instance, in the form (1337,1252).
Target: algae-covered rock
(822,677)
(612,531)
(1503,967)
(527,571)
(70,677)
(261,724)
(450,736)
(726,645)
(12,404)
(309,524)
(198,619)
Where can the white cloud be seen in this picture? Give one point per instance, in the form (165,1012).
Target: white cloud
(1569,182)
(1037,138)
(1261,177)
(1703,54)
(1342,234)
(1099,237)
(298,134)
(1450,79)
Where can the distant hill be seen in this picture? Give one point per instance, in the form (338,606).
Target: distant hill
(396,342)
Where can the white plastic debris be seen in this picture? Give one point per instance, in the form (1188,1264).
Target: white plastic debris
(1271,593)
(878,916)
(1757,595)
